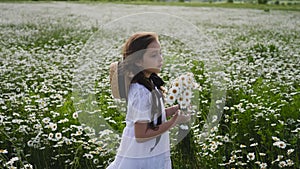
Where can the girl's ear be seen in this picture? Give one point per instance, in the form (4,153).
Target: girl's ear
(139,63)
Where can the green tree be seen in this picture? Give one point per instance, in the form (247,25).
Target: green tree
(262,1)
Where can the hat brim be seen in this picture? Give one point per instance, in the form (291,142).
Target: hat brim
(114,82)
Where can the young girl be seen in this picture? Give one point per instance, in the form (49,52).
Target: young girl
(145,139)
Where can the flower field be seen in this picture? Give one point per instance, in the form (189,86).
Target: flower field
(253,84)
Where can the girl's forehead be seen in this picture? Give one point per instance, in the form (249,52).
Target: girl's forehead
(154,44)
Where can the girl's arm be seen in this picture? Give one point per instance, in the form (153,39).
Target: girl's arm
(143,132)
(171,110)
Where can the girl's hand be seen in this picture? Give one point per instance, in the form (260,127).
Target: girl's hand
(183,118)
(172,110)
(180,118)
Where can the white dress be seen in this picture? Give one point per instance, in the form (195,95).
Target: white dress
(132,154)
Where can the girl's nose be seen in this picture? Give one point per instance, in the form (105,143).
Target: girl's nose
(160,57)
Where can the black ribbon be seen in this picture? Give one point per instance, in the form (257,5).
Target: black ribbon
(158,82)
(156,96)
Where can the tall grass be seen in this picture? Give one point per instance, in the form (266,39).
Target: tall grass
(41,126)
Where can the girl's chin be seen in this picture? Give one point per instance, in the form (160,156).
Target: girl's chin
(152,70)
(155,70)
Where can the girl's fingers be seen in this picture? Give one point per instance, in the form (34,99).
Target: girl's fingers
(176,113)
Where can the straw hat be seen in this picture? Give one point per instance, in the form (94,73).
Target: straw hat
(114,81)
(119,81)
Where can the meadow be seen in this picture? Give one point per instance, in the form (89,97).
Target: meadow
(56,108)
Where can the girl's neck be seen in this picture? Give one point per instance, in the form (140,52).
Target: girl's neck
(147,74)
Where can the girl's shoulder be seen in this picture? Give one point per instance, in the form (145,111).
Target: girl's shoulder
(138,88)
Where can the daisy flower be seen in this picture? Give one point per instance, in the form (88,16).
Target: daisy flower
(75,115)
(58,136)
(251,156)
(282,164)
(280,144)
(290,151)
(171,98)
(46,120)
(263,165)
(181,90)
(50,136)
(289,162)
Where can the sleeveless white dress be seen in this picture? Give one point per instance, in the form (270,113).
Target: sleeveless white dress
(138,155)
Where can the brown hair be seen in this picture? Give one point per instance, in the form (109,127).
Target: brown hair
(137,42)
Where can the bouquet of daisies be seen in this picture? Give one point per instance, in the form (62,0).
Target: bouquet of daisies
(181,91)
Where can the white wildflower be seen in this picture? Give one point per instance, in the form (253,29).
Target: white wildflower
(253,144)
(46,120)
(53,126)
(184,127)
(262,154)
(251,156)
(28,166)
(95,161)
(282,164)
(289,162)
(243,146)
(275,138)
(214,118)
(58,136)
(263,165)
(290,151)
(88,156)
(280,144)
(75,115)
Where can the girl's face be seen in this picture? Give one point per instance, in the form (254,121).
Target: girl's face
(152,60)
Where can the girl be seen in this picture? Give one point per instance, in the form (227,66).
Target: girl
(145,139)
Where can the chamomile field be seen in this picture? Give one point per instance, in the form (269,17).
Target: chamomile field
(56,108)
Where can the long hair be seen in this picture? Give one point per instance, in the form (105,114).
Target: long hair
(133,51)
